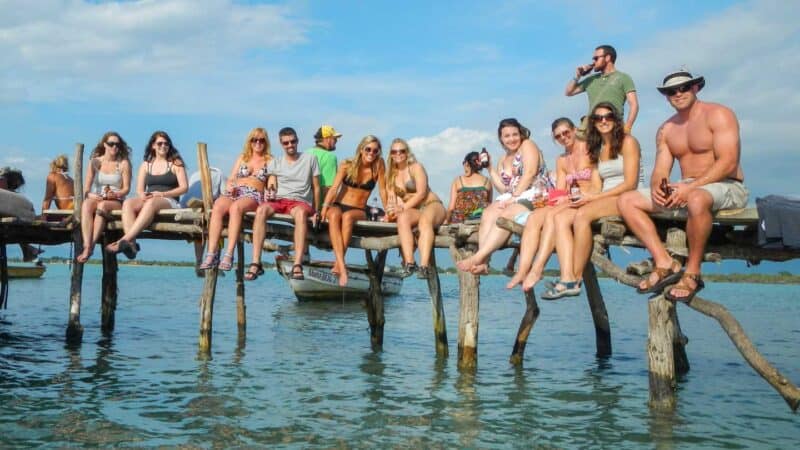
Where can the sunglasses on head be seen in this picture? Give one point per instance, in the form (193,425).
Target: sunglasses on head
(682,88)
(113,144)
(258,140)
(290,142)
(399,151)
(372,150)
(607,117)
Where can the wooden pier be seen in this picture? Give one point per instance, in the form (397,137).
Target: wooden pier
(733,237)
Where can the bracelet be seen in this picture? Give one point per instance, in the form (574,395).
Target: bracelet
(326,204)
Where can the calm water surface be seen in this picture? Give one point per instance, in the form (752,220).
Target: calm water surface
(305,376)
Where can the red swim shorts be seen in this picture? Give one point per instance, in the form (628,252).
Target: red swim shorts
(286,205)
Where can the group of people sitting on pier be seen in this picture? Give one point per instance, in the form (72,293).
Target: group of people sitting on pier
(598,175)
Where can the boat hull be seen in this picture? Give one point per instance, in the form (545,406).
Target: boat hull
(26,271)
(321,284)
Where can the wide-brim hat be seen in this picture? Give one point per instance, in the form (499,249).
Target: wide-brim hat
(680,78)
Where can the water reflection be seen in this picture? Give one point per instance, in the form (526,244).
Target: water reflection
(466,412)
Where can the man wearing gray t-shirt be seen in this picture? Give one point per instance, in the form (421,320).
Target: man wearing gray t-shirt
(297,175)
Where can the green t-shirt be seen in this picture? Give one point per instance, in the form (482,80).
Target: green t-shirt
(328,164)
(610,88)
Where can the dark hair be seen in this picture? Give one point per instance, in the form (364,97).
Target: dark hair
(173,155)
(122,151)
(595,140)
(608,50)
(512,122)
(560,121)
(473,159)
(13,177)
(287,131)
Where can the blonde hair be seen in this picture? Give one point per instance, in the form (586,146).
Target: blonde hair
(60,164)
(392,171)
(247,149)
(354,164)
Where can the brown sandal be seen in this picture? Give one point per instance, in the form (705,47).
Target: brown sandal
(699,285)
(666,276)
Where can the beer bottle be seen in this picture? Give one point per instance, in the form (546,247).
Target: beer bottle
(574,190)
(484,158)
(665,187)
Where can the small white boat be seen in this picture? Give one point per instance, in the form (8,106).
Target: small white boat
(26,270)
(321,284)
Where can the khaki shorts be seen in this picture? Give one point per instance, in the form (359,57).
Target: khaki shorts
(727,194)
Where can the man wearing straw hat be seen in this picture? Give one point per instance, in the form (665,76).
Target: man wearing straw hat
(704,139)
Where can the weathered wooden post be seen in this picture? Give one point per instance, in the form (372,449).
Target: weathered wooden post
(210,281)
(3,275)
(109,291)
(602,330)
(661,326)
(469,302)
(439,326)
(241,308)
(525,327)
(74,328)
(375,315)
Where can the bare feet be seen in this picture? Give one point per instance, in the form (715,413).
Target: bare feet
(515,280)
(343,278)
(113,247)
(466,264)
(480,269)
(530,280)
(85,254)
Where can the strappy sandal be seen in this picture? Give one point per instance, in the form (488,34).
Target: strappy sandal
(226,263)
(210,261)
(423,272)
(297,272)
(128,249)
(570,289)
(666,276)
(699,285)
(251,274)
(407,269)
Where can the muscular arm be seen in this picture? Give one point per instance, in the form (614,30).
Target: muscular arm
(633,110)
(573,85)
(662,166)
(725,145)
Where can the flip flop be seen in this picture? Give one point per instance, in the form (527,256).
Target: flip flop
(699,285)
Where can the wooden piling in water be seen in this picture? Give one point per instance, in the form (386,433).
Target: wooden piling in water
(241,308)
(469,305)
(375,317)
(602,329)
(525,327)
(439,325)
(74,333)
(661,362)
(210,278)
(108,303)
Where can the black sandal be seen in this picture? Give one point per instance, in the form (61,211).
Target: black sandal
(251,275)
(297,272)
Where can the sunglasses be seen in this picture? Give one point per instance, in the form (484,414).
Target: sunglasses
(562,135)
(258,141)
(162,144)
(682,88)
(401,151)
(372,150)
(291,142)
(113,144)
(607,117)
(595,58)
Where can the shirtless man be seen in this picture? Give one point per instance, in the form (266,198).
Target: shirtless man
(704,138)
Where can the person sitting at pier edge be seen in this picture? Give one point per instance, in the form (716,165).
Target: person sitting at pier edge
(515,173)
(161,180)
(470,193)
(108,181)
(413,204)
(578,164)
(59,186)
(704,138)
(325,138)
(243,193)
(346,201)
(14,204)
(298,194)
(618,159)
(607,85)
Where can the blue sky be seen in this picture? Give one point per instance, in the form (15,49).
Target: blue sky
(441,74)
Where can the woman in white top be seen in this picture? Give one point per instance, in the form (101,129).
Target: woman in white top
(108,181)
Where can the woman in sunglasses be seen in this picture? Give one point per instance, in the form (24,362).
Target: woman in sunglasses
(618,163)
(108,181)
(243,193)
(413,204)
(159,183)
(346,200)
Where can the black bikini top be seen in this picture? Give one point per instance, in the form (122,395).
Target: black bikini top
(368,186)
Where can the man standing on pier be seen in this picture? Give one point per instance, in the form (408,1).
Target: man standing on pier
(606,85)
(326,137)
(298,194)
(704,138)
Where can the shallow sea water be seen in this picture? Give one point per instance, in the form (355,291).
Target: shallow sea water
(304,375)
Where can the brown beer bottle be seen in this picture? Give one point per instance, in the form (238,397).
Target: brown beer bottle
(665,187)
(574,191)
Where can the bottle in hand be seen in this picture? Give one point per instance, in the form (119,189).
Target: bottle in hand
(574,191)
(665,188)
(484,158)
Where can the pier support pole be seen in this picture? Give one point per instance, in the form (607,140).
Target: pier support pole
(439,326)
(210,281)
(375,315)
(241,309)
(597,306)
(525,327)
(74,333)
(661,361)
(108,306)
(469,302)
(3,276)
